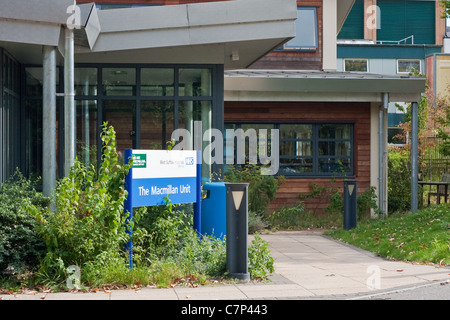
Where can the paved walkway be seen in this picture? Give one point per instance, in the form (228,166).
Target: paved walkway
(308,265)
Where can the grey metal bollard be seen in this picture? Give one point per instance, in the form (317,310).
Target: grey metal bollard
(237,230)
(350,204)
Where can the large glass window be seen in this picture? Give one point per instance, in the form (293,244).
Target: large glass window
(121,114)
(311,149)
(157,123)
(158,82)
(144,104)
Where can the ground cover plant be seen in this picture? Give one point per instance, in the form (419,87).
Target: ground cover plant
(415,237)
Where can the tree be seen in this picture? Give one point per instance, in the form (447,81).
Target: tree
(446,5)
(443,131)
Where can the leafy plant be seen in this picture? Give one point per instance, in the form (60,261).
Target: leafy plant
(260,262)
(87,227)
(20,245)
(262,188)
(287,217)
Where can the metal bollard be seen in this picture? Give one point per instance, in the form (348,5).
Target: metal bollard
(237,230)
(350,204)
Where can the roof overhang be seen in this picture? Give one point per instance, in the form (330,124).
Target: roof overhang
(297,85)
(233,33)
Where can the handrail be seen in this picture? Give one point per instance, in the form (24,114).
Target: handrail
(397,42)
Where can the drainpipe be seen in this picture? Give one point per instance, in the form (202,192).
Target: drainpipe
(69,102)
(414,155)
(382,154)
(49,121)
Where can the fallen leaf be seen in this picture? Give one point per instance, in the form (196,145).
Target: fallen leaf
(399,270)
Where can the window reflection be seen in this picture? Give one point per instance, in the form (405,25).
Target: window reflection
(119,81)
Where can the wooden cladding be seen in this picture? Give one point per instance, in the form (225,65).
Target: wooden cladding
(355,113)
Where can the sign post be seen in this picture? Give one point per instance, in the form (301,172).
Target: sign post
(156,174)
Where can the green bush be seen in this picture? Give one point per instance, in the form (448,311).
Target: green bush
(87,226)
(262,188)
(20,245)
(287,217)
(260,262)
(399,181)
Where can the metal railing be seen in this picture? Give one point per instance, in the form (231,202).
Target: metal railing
(402,41)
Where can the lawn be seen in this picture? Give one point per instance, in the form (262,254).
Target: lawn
(423,237)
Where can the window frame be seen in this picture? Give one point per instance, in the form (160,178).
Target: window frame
(315,140)
(410,60)
(288,45)
(357,59)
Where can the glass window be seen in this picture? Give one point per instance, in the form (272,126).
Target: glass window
(296,149)
(157,124)
(407,66)
(334,131)
(359,65)
(85,81)
(121,114)
(309,149)
(87,131)
(34,80)
(194,82)
(306,30)
(157,82)
(119,81)
(334,148)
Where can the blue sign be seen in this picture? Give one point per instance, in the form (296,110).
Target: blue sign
(156,174)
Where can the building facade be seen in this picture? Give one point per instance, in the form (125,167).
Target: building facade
(150,67)
(391,38)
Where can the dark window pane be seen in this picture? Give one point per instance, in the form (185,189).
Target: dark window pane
(119,81)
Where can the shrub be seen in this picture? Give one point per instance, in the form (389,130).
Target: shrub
(20,245)
(87,226)
(262,188)
(287,217)
(399,181)
(260,262)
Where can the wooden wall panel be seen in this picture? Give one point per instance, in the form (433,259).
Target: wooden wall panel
(356,113)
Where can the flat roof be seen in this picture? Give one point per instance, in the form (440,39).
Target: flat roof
(267,85)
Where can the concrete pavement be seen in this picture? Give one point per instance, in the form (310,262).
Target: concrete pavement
(308,265)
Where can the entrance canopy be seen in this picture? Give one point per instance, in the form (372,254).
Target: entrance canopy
(232,33)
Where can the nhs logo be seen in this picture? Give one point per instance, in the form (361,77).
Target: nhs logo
(189,161)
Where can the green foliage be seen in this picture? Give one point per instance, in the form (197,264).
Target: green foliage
(87,226)
(164,235)
(399,181)
(446,6)
(262,188)
(287,217)
(443,132)
(332,195)
(20,246)
(260,262)
(422,237)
